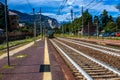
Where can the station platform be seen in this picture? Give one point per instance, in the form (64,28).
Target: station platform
(39,61)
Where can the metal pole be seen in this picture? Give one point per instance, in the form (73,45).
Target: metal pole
(6,25)
(41,30)
(82,22)
(34,26)
(88,30)
(78,30)
(69,28)
(97,30)
(72,17)
(62,31)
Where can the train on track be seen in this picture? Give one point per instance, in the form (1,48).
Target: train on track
(50,33)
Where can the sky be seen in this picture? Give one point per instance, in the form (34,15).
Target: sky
(52,8)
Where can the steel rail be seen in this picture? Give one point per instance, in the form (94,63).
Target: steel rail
(95,45)
(88,77)
(114,70)
(103,51)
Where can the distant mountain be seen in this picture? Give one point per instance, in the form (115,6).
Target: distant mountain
(47,22)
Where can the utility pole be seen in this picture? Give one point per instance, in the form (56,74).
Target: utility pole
(34,26)
(97,29)
(88,29)
(6,25)
(41,30)
(82,22)
(72,17)
(68,26)
(78,30)
(62,30)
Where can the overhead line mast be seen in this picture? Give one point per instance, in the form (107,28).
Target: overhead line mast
(7,37)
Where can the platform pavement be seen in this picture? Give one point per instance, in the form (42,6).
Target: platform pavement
(29,66)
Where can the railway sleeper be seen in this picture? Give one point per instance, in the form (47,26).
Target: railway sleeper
(93,70)
(92,73)
(114,78)
(105,76)
(98,66)
(80,78)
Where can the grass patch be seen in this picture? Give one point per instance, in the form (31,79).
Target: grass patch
(8,67)
(18,42)
(1,53)
(21,56)
(1,76)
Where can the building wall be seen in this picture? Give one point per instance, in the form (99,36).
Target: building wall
(2,16)
(13,22)
(91,30)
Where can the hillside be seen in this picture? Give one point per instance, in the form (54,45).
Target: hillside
(47,22)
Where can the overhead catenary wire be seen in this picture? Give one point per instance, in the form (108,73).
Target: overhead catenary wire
(61,7)
(96,4)
(89,6)
(90,3)
(58,12)
(29,4)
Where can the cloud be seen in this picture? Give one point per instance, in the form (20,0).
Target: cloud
(50,7)
(109,8)
(60,18)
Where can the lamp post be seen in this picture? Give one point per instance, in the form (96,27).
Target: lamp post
(6,25)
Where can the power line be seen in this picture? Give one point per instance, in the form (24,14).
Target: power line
(98,12)
(60,8)
(96,4)
(90,3)
(29,4)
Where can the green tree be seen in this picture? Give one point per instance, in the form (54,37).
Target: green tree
(118,23)
(110,18)
(24,29)
(104,18)
(110,27)
(2,16)
(87,17)
(96,19)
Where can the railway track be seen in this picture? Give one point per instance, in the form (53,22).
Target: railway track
(103,49)
(110,59)
(84,66)
(96,45)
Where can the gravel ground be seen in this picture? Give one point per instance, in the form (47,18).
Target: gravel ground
(108,59)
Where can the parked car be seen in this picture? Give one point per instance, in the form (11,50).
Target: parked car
(106,34)
(113,34)
(100,35)
(1,32)
(117,34)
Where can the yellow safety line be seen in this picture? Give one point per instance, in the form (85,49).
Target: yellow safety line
(46,75)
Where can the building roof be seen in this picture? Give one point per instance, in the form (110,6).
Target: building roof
(1,29)
(12,13)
